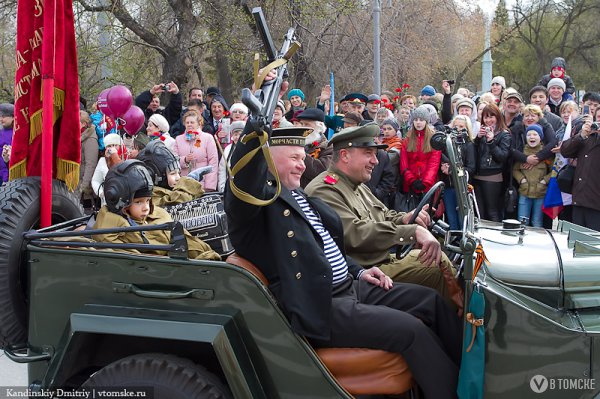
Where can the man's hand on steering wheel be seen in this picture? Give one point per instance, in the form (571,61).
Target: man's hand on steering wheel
(423,218)
(431,250)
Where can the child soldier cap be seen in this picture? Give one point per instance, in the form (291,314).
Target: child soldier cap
(294,136)
(125,182)
(160,161)
(357,137)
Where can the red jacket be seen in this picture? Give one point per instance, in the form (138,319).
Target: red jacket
(419,165)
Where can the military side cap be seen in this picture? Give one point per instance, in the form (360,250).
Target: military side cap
(355,98)
(294,136)
(312,114)
(357,137)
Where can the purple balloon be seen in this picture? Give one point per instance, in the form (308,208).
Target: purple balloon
(119,100)
(133,119)
(103,103)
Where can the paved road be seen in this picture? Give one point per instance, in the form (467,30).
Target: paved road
(11,373)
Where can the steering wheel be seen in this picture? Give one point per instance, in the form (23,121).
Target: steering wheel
(433,198)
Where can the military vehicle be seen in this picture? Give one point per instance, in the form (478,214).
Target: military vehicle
(87,316)
(82,315)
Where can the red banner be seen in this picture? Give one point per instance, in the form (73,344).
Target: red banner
(59,61)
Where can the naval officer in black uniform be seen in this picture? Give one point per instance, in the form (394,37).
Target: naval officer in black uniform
(297,242)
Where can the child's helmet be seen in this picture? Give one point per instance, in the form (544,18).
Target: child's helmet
(124,182)
(159,160)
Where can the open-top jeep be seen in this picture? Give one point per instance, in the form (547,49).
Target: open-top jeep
(85,315)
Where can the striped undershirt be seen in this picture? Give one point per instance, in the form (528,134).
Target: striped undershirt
(332,252)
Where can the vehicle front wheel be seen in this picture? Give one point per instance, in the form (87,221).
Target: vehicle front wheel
(20,212)
(168,376)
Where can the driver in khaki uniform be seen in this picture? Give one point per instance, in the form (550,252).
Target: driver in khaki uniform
(370,229)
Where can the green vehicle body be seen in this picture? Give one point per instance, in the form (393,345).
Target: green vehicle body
(90,307)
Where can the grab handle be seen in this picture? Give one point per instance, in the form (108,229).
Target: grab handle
(197,293)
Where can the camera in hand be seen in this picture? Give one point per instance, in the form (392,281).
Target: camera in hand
(165,87)
(451,81)
(595,126)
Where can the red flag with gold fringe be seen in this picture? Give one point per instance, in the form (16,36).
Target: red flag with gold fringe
(57,61)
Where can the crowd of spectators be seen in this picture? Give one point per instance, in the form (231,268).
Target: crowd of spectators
(509,141)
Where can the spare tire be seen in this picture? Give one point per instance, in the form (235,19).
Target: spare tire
(166,376)
(19,212)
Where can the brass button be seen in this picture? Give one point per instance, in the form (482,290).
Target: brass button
(269,182)
(286,212)
(580,179)
(294,254)
(290,234)
(298,276)
(411,238)
(401,239)
(586,155)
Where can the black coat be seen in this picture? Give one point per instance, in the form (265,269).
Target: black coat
(519,138)
(171,112)
(567,79)
(279,240)
(466,152)
(383,179)
(493,157)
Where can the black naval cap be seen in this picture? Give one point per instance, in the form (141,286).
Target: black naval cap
(357,137)
(312,114)
(355,98)
(294,136)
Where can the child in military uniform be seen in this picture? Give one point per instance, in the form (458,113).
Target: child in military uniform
(128,192)
(170,188)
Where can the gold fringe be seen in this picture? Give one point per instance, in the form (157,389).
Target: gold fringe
(18,170)
(35,120)
(68,171)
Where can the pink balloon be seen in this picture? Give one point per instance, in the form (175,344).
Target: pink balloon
(103,103)
(119,100)
(133,119)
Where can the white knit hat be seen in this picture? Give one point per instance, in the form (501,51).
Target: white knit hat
(160,121)
(500,80)
(112,139)
(239,107)
(557,82)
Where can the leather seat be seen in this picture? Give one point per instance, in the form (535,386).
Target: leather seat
(359,371)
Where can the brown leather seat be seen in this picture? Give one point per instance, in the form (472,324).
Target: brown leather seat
(360,371)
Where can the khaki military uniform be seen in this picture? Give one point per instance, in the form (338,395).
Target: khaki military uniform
(187,189)
(197,249)
(371,230)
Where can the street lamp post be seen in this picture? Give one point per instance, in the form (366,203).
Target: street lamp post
(376,47)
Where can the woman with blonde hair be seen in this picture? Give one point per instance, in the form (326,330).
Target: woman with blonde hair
(196,148)
(466,152)
(532,114)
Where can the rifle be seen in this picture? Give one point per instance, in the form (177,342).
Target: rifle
(262,103)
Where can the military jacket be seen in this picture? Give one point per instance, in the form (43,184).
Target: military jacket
(197,249)
(187,189)
(370,229)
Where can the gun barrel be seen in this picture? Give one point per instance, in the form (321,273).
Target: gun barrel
(265,34)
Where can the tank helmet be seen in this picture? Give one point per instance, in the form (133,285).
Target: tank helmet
(124,182)
(160,161)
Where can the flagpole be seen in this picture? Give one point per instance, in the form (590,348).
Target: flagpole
(47,113)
